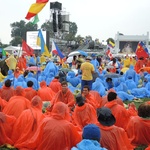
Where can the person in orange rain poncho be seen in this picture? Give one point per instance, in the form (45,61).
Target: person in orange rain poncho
(112,137)
(105,100)
(3,103)
(45,93)
(55,132)
(55,85)
(138,128)
(64,95)
(29,91)
(97,97)
(139,64)
(17,72)
(7,91)
(84,113)
(27,123)
(17,103)
(89,98)
(6,124)
(22,63)
(121,114)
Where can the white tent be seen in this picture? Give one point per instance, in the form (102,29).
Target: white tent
(14,50)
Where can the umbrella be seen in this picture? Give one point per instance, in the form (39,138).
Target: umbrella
(65,70)
(112,75)
(109,67)
(69,59)
(34,68)
(79,52)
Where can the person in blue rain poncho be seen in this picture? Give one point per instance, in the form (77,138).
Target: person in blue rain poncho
(30,77)
(91,136)
(99,87)
(32,61)
(95,62)
(20,82)
(42,77)
(130,83)
(140,92)
(51,67)
(71,78)
(132,73)
(49,78)
(10,75)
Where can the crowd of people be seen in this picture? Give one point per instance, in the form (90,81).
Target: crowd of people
(53,104)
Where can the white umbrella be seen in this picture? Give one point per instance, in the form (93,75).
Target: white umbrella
(74,53)
(69,59)
(78,52)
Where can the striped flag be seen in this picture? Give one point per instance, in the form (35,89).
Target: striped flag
(35,8)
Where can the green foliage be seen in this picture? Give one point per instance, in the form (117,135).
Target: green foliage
(19,30)
(73,28)
(48,26)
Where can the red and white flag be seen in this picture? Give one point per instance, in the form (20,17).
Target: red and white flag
(109,54)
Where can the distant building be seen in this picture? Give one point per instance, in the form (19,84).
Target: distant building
(127,44)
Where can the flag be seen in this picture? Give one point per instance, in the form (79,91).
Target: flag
(3,52)
(40,42)
(109,54)
(35,8)
(26,48)
(141,50)
(56,50)
(111,44)
(35,20)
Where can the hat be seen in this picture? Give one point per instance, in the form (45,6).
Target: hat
(93,55)
(88,58)
(80,99)
(105,116)
(91,132)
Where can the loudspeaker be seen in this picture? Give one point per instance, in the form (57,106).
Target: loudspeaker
(54,22)
(60,25)
(56,5)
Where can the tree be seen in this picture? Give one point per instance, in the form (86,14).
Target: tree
(19,30)
(73,28)
(48,26)
(72,32)
(79,39)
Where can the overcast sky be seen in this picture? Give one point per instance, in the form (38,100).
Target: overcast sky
(98,18)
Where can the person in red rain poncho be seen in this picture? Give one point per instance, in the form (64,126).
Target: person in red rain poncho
(55,132)
(138,128)
(17,103)
(45,93)
(29,91)
(121,114)
(7,91)
(6,125)
(84,113)
(64,95)
(113,137)
(27,123)
(55,85)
